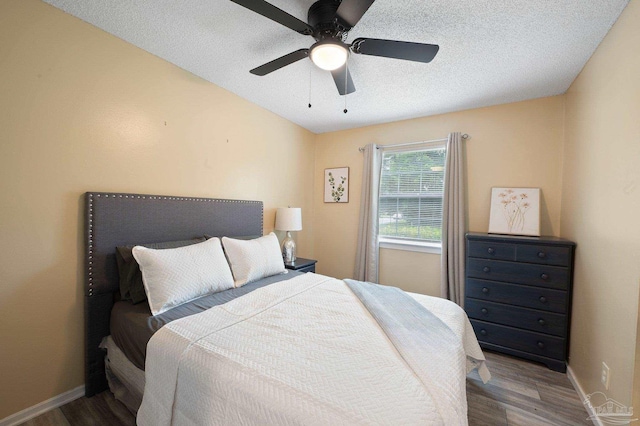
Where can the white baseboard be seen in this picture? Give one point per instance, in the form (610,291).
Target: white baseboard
(42,407)
(583,396)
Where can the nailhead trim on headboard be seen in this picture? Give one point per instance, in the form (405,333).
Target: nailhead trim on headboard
(90,246)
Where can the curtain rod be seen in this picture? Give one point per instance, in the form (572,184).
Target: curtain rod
(361,149)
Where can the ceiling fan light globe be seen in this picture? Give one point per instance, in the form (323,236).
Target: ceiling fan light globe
(329,56)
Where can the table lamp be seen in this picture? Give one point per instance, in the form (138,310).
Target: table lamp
(289,219)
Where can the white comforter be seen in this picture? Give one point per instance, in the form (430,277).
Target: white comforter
(302,351)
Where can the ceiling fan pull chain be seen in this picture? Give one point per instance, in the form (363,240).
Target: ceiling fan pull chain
(309,87)
(346,84)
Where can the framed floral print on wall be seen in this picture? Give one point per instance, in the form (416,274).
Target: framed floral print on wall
(515,211)
(336,185)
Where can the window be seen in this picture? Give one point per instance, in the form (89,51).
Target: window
(411,191)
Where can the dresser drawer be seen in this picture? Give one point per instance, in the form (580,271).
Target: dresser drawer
(515,316)
(547,255)
(519,295)
(490,250)
(519,273)
(526,341)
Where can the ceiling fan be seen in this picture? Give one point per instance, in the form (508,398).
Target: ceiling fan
(329,22)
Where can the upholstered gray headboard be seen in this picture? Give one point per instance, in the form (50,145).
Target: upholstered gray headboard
(113,219)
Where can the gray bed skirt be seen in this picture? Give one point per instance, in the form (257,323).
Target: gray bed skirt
(126,381)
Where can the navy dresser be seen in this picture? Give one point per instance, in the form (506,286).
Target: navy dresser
(518,295)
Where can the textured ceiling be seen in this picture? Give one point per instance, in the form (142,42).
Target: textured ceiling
(491,52)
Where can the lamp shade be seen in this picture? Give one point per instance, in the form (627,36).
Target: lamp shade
(289,219)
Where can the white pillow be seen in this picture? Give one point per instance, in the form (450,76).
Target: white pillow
(172,277)
(251,260)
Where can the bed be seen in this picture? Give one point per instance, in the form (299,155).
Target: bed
(286,349)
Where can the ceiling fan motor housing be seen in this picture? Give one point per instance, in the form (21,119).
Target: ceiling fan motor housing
(322,17)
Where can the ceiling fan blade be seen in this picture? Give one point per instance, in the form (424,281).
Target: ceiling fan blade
(339,76)
(350,11)
(282,61)
(409,51)
(280,16)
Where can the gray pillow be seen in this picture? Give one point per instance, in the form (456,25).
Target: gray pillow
(131,286)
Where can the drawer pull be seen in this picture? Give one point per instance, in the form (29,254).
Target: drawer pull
(484,310)
(485,290)
(486,269)
(541,345)
(544,276)
(542,254)
(543,299)
(490,250)
(483,332)
(541,321)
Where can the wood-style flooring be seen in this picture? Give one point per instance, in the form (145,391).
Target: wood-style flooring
(519,393)
(523,393)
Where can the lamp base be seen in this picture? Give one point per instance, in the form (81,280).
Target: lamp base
(289,249)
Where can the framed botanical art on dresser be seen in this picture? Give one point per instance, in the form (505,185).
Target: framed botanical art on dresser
(515,211)
(336,185)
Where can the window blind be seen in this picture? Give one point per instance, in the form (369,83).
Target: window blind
(411,190)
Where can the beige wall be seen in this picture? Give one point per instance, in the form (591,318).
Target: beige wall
(81,110)
(601,206)
(517,144)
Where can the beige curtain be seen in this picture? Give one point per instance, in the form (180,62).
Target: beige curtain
(453,223)
(367,252)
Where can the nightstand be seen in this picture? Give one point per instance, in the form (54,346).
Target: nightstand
(302,265)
